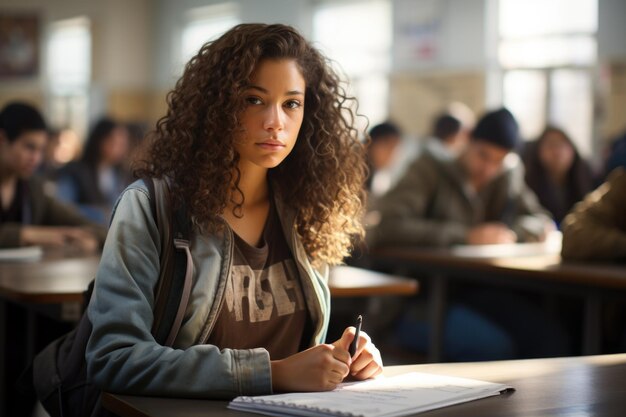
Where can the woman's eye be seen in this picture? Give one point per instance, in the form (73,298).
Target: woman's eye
(253,100)
(293,104)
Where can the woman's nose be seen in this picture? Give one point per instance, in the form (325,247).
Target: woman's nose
(274,118)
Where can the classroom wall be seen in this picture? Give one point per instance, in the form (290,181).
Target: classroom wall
(439,56)
(442,51)
(612,73)
(121,51)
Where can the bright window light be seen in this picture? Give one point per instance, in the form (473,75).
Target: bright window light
(525,95)
(524,18)
(549,52)
(204,24)
(548,49)
(357,36)
(69,56)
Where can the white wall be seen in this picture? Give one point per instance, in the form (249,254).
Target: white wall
(612,30)
(170,19)
(453,29)
(121,32)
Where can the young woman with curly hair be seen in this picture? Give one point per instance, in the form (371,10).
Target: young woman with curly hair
(259,147)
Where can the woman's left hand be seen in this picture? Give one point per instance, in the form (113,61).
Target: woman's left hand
(366,362)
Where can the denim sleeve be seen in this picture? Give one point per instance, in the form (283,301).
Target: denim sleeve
(122,355)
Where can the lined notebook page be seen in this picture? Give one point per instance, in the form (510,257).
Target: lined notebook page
(382,397)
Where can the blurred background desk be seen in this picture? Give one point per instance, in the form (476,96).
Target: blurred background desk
(543,273)
(346,281)
(558,387)
(52,286)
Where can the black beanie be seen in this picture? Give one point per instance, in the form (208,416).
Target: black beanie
(499,128)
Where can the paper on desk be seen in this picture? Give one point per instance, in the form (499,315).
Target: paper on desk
(24,254)
(383,397)
(551,246)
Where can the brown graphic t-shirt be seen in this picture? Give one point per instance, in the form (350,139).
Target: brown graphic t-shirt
(263,301)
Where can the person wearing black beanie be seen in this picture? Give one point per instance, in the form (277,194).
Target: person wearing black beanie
(499,128)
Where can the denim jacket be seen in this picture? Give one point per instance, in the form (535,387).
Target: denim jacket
(122,355)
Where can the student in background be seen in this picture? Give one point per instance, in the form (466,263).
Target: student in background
(449,137)
(95,181)
(477,198)
(385,138)
(27,215)
(258,143)
(595,230)
(556,172)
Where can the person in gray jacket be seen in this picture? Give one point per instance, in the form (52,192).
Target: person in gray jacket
(257,146)
(480,197)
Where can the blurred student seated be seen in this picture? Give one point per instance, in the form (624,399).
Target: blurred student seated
(595,230)
(556,172)
(94,182)
(27,215)
(385,139)
(478,197)
(449,137)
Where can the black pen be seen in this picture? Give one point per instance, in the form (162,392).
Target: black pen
(355,341)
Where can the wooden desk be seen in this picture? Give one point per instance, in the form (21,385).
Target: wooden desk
(57,278)
(561,387)
(346,281)
(546,272)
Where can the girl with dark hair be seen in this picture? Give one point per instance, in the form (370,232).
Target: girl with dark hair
(27,215)
(95,181)
(556,172)
(258,143)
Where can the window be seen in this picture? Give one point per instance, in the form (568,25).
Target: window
(358,36)
(547,62)
(204,24)
(68,73)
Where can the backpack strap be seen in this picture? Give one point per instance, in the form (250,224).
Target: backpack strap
(176,265)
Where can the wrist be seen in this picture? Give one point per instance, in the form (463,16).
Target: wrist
(276,368)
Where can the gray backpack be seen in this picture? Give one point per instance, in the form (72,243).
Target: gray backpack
(60,370)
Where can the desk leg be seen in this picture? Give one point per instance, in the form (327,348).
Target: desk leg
(437,315)
(3,342)
(592,331)
(31,334)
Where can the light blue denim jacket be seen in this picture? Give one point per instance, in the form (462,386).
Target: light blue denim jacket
(122,355)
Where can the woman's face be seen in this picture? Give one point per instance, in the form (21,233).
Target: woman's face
(273,115)
(555,153)
(25,153)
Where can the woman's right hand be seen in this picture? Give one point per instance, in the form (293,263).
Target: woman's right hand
(320,368)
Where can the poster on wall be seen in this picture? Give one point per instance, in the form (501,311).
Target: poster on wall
(417,33)
(19,45)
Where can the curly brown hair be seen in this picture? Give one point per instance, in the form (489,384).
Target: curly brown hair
(322,178)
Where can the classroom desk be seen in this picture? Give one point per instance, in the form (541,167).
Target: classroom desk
(52,285)
(55,284)
(347,281)
(544,273)
(556,387)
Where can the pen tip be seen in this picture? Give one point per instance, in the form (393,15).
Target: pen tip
(359,318)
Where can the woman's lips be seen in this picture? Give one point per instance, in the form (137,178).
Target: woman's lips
(272,145)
